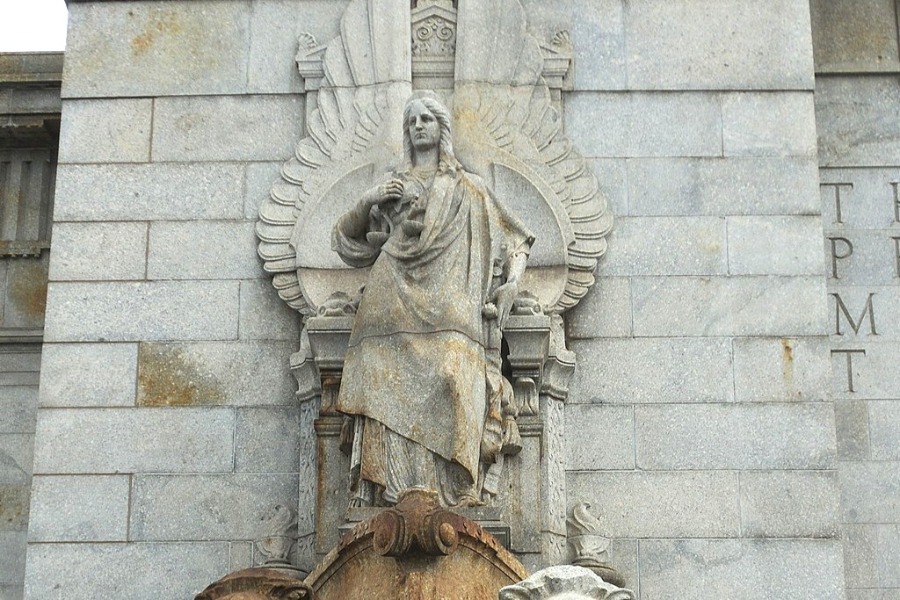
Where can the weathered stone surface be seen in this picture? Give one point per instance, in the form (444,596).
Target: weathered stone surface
(16,457)
(860,257)
(851,419)
(860,547)
(599,44)
(166,310)
(867,200)
(124,571)
(884,430)
(258,180)
(599,437)
(790,504)
(204,373)
(206,507)
(737,436)
(217,250)
(694,306)
(741,569)
(26,293)
(14,506)
(650,370)
(275,26)
(18,405)
(669,246)
(858,121)
(781,369)
(870,491)
(888,556)
(267,440)
(150,440)
(149,49)
(604,312)
(148,192)
(81,508)
(774,245)
(98,251)
(263,316)
(612,176)
(222,128)
(12,561)
(738,45)
(657,504)
(873,324)
(874,374)
(720,186)
(853,36)
(765,124)
(88,375)
(635,124)
(96,131)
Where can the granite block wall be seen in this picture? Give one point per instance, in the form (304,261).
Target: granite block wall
(857,103)
(700,426)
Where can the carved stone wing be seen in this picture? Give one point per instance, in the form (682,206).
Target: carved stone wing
(353,122)
(505,115)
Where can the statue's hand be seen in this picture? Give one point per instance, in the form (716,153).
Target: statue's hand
(503,297)
(388,191)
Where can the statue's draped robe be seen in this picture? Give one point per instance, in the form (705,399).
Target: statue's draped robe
(417,367)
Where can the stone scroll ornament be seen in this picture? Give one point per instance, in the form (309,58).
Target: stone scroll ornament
(436,236)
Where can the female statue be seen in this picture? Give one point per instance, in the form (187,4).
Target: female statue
(422,373)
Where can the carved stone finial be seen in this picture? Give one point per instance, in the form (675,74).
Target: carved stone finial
(565,582)
(590,547)
(281,535)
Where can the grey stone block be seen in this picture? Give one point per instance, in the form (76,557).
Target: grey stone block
(775,245)
(884,430)
(12,560)
(18,405)
(258,180)
(651,370)
(852,36)
(598,41)
(735,436)
(222,128)
(95,131)
(888,556)
(604,312)
(790,504)
(695,306)
(636,124)
(860,542)
(26,294)
(851,419)
(722,186)
(870,491)
(741,569)
(873,324)
(88,375)
(654,504)
(867,203)
(858,121)
(727,44)
(14,506)
(873,594)
(875,375)
(668,246)
(92,251)
(275,26)
(149,440)
(150,49)
(861,257)
(241,555)
(148,192)
(769,124)
(611,176)
(14,359)
(267,440)
(18,379)
(164,310)
(16,457)
(204,373)
(203,250)
(79,508)
(207,507)
(781,369)
(123,571)
(265,316)
(599,437)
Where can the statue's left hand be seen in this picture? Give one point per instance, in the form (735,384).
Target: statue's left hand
(503,297)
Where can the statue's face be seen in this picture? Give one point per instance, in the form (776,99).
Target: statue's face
(424,129)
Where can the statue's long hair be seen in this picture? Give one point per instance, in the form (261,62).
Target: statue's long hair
(446,158)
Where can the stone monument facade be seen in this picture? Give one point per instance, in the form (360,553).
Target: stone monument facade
(702,423)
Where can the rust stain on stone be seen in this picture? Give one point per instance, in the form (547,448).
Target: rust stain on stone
(787,363)
(13,507)
(169,376)
(164,24)
(28,290)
